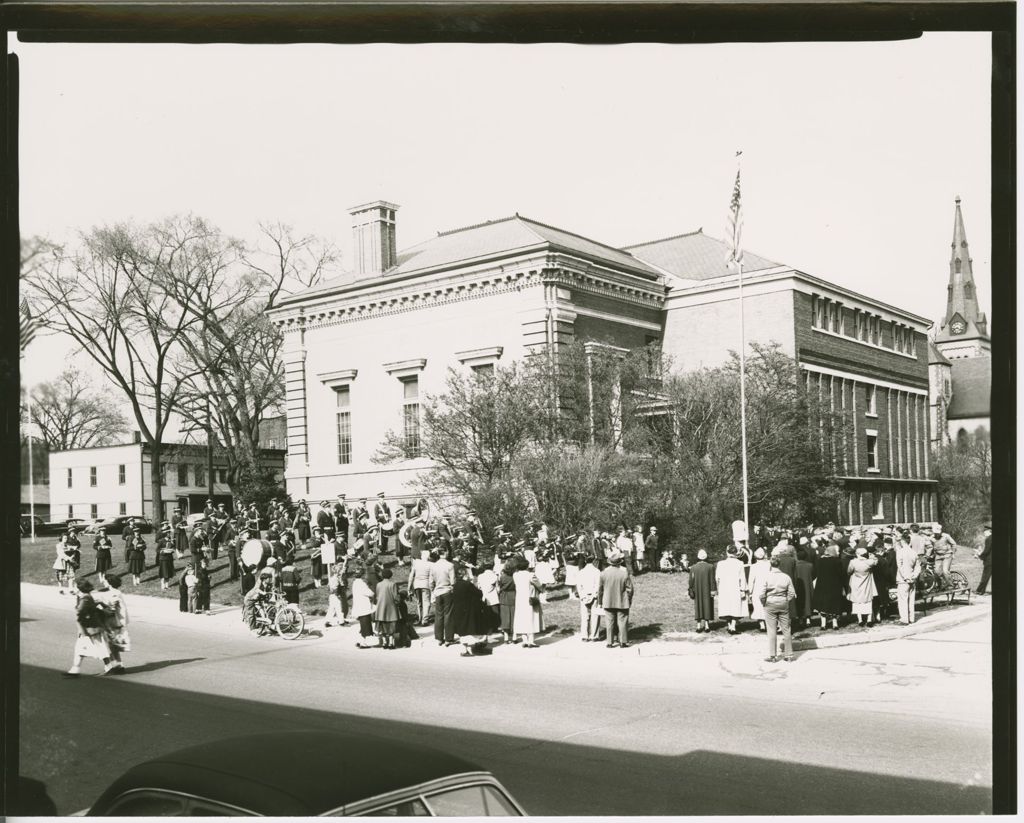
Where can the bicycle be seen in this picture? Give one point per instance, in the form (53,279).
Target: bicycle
(931,581)
(281,617)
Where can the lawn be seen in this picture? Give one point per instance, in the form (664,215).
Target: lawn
(660,606)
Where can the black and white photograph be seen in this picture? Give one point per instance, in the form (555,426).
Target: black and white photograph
(639,395)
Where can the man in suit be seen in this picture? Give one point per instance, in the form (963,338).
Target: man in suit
(615,594)
(985,555)
(442,584)
(908,567)
(325,519)
(382,516)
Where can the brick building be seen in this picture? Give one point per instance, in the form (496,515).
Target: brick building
(360,350)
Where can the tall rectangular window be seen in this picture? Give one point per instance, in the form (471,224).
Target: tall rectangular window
(69,482)
(71,509)
(411,416)
(93,511)
(344,415)
(222,476)
(122,508)
(879,511)
(183,474)
(120,475)
(92,475)
(486,370)
(872,450)
(871,400)
(200,470)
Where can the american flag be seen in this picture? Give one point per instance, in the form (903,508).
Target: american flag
(735,223)
(29,325)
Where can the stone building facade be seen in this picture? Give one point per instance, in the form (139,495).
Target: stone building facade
(361,350)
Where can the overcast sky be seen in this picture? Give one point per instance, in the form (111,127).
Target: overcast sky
(852,152)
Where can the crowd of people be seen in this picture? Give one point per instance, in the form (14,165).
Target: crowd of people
(478,588)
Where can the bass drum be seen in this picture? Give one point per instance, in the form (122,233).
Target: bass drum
(255,553)
(405,535)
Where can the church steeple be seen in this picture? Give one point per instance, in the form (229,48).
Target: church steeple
(964,328)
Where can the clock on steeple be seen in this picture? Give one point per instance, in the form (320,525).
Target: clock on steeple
(958,327)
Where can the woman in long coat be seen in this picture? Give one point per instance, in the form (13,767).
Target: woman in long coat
(731,584)
(884,574)
(804,585)
(92,640)
(829,586)
(758,575)
(862,586)
(702,591)
(527,619)
(472,619)
(506,599)
(388,611)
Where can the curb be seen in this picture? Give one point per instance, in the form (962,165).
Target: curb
(225,621)
(880,634)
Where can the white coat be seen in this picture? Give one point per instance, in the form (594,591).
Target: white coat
(362,598)
(732,588)
(758,575)
(527,619)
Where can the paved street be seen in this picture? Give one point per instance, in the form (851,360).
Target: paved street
(896,727)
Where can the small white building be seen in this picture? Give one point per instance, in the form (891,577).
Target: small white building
(105,481)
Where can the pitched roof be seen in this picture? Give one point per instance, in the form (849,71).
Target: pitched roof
(695,256)
(972,388)
(489,239)
(509,234)
(934,355)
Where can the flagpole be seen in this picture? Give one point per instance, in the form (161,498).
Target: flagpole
(743,396)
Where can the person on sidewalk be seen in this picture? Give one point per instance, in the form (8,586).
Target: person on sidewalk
(115,620)
(442,581)
(388,609)
(884,574)
(588,583)
(985,555)
(758,574)
(615,594)
(528,618)
(862,586)
(203,587)
(363,611)
(91,641)
(701,589)
(487,582)
(829,598)
(472,619)
(191,580)
(775,594)
(908,567)
(804,585)
(507,599)
(731,585)
(419,585)
(337,601)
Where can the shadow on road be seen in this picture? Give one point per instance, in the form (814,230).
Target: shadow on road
(549,777)
(160,664)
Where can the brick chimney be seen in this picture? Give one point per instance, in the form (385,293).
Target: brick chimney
(373,230)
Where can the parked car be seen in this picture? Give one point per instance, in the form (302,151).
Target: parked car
(26,524)
(306,774)
(115,525)
(58,527)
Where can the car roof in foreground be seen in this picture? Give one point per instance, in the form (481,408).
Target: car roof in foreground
(291,773)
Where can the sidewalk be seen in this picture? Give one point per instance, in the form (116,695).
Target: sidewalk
(226,621)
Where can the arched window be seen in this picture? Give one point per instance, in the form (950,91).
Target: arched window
(956,266)
(968,290)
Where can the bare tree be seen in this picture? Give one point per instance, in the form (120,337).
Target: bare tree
(241,374)
(109,295)
(71,413)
